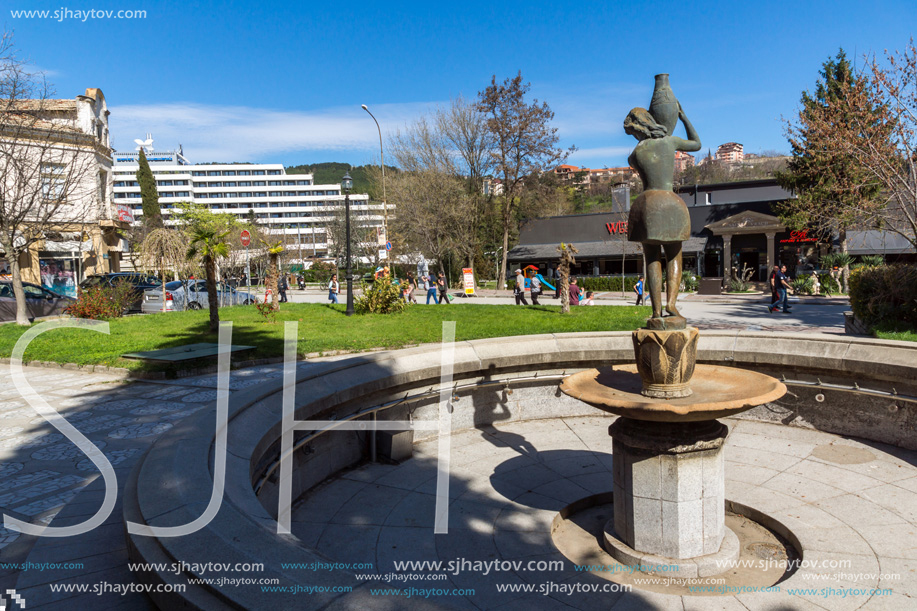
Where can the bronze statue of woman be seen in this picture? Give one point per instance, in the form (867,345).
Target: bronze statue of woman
(658,218)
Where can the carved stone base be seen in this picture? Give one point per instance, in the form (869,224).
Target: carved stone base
(667,323)
(665,361)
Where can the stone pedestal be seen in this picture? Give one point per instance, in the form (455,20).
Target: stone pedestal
(665,360)
(669,497)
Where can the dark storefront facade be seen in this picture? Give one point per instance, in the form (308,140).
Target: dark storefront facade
(733,225)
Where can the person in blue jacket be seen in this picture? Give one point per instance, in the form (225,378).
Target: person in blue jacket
(536,283)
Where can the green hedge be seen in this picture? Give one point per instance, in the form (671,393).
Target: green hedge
(885,294)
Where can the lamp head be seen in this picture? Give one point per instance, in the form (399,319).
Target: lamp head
(347,182)
(363,106)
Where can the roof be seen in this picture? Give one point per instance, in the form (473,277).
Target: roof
(591,250)
(28,121)
(45,105)
(874,242)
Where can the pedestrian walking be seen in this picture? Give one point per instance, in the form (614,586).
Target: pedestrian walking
(412,283)
(782,284)
(282,288)
(536,287)
(430,287)
(574,292)
(333,289)
(443,289)
(638,288)
(519,289)
(772,282)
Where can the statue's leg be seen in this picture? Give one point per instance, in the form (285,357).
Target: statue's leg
(673,269)
(653,254)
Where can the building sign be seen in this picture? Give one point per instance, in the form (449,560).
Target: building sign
(468,280)
(619,227)
(125,215)
(798,236)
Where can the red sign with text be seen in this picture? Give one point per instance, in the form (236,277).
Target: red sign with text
(619,227)
(246,237)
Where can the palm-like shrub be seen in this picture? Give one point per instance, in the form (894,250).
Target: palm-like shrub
(208,245)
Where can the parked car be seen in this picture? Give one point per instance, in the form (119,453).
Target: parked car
(39,301)
(140,282)
(195,298)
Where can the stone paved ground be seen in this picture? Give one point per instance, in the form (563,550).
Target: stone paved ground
(41,471)
(844,499)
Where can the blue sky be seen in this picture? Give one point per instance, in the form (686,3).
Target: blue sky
(283,82)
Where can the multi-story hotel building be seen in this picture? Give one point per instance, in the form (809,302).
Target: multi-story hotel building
(289,206)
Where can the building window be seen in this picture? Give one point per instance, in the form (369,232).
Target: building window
(257,172)
(273,172)
(53,180)
(229,173)
(245,183)
(244,173)
(274,183)
(213,173)
(259,183)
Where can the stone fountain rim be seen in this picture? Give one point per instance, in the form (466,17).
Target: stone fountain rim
(701,405)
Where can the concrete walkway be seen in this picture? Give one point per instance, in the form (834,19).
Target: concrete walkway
(845,500)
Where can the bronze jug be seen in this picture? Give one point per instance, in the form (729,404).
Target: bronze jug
(664,106)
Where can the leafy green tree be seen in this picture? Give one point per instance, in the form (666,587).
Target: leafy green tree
(149,196)
(209,246)
(833,190)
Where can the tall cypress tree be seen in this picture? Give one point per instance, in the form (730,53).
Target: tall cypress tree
(152,218)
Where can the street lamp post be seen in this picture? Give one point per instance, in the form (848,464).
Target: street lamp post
(382,159)
(346,186)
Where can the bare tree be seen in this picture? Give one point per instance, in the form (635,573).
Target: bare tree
(48,178)
(882,136)
(364,242)
(433,208)
(524,144)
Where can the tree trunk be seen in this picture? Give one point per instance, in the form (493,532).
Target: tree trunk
(501,276)
(162,272)
(563,282)
(22,312)
(274,284)
(209,264)
(845,271)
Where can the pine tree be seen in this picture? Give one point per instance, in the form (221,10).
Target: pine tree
(833,190)
(152,218)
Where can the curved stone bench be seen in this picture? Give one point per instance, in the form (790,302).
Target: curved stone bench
(172,484)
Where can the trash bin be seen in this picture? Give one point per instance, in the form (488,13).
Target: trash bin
(710,286)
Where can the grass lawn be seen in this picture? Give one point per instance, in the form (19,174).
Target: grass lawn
(893,332)
(322,328)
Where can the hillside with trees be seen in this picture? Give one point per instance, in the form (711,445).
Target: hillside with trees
(331,172)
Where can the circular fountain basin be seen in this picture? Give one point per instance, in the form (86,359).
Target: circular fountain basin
(718,392)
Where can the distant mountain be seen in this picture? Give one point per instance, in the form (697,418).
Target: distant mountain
(331,172)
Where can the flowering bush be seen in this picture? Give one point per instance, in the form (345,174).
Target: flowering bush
(103,301)
(266,308)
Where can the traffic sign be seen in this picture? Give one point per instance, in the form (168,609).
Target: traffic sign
(388,246)
(246,237)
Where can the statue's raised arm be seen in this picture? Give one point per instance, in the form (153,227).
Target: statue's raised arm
(693,141)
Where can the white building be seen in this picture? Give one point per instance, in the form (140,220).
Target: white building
(285,204)
(69,217)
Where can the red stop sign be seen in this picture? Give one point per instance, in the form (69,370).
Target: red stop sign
(246,237)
